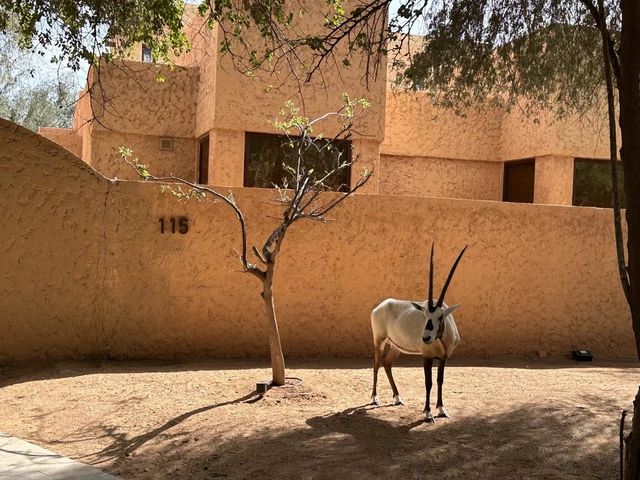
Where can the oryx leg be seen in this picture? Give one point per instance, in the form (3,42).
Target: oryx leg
(428,383)
(439,405)
(378,352)
(388,360)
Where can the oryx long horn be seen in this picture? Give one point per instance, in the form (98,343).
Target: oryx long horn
(430,303)
(446,284)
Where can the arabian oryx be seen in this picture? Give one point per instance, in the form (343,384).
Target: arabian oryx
(415,328)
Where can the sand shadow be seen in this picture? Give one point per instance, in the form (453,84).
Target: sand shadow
(122,447)
(362,442)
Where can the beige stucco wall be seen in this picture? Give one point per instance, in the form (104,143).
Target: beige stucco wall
(553,180)
(414,127)
(226,157)
(130,107)
(204,54)
(51,249)
(438,177)
(86,271)
(526,284)
(543,134)
(105,145)
(248,102)
(129,98)
(65,137)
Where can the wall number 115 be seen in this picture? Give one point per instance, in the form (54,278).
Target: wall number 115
(181,223)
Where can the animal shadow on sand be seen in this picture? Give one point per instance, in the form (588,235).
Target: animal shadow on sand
(529,442)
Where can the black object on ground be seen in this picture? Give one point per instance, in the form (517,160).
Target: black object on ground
(582,355)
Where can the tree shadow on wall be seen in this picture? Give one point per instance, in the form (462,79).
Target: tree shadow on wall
(554,442)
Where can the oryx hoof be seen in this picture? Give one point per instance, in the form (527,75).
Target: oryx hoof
(442,413)
(375,400)
(397,400)
(429,418)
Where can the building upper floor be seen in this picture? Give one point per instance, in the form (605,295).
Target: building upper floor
(204,120)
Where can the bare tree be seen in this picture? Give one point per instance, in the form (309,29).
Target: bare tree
(303,194)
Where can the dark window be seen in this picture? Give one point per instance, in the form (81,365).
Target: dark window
(519,179)
(592,183)
(266,157)
(146,54)
(203,161)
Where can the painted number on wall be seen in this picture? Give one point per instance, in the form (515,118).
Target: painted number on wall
(173,224)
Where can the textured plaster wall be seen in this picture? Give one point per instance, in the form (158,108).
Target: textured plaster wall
(414,127)
(554,180)
(86,271)
(539,135)
(130,107)
(129,98)
(247,103)
(226,158)
(51,250)
(526,283)
(437,177)
(205,55)
(82,114)
(65,137)
(180,162)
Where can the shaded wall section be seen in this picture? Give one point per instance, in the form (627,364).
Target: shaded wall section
(65,137)
(87,271)
(52,244)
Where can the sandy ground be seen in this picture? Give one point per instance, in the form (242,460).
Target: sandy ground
(509,419)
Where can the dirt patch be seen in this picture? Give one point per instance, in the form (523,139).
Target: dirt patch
(537,420)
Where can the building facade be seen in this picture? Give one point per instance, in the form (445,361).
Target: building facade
(202,120)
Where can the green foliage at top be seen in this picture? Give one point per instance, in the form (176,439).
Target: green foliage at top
(497,52)
(592,184)
(267,17)
(502,52)
(86,29)
(293,122)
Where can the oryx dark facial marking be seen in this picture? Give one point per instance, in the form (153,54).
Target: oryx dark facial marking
(430,325)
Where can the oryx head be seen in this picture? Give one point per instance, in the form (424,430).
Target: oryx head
(436,311)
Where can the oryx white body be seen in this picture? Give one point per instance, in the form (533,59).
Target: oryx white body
(415,328)
(398,323)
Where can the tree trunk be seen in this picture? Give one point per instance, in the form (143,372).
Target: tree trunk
(275,347)
(629,90)
(633,440)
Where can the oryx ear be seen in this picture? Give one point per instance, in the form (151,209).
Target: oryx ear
(449,310)
(417,306)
